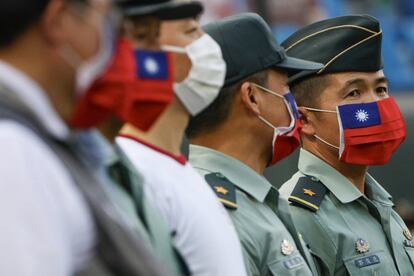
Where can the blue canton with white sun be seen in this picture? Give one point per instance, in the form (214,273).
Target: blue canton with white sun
(151,65)
(359,115)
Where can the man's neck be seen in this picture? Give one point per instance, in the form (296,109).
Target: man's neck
(168,131)
(354,173)
(110,129)
(242,145)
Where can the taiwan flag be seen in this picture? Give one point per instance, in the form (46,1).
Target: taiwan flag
(152,65)
(370,131)
(152,88)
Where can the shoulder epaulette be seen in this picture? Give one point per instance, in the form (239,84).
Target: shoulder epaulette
(224,189)
(308,193)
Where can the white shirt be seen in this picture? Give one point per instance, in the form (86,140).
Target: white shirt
(45,226)
(203,232)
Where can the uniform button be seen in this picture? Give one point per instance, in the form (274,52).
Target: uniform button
(313,178)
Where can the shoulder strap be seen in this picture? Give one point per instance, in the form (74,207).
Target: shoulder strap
(308,193)
(224,189)
(119,251)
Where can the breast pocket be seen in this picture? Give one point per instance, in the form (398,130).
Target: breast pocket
(290,265)
(372,263)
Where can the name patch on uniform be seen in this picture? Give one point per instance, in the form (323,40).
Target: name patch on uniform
(294,262)
(367,261)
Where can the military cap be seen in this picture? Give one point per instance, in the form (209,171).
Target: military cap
(164,9)
(249,47)
(343,44)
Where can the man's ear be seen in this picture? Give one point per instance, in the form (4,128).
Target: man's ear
(52,21)
(250,97)
(306,120)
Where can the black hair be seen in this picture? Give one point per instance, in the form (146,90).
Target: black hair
(217,112)
(307,92)
(16,16)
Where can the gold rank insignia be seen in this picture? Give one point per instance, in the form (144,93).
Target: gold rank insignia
(309,192)
(224,189)
(221,190)
(362,246)
(286,247)
(408,234)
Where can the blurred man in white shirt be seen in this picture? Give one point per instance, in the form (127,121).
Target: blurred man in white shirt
(203,233)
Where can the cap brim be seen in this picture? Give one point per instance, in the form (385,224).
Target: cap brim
(167,11)
(295,65)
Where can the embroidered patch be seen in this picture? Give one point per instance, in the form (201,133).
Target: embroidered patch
(294,262)
(308,193)
(224,189)
(367,261)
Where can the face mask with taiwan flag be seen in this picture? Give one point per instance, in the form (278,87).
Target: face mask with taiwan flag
(285,139)
(369,132)
(136,88)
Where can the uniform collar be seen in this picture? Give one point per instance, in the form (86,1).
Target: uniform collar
(376,192)
(179,158)
(338,184)
(238,173)
(31,94)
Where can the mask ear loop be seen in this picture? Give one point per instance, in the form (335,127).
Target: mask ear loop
(320,110)
(323,140)
(280,130)
(276,132)
(173,49)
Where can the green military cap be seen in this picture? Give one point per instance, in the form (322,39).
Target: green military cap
(164,9)
(344,44)
(249,47)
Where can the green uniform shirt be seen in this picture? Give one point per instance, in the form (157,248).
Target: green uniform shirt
(349,233)
(268,246)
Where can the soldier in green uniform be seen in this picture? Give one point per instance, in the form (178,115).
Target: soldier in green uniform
(250,126)
(349,122)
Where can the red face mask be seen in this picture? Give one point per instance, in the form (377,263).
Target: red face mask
(136,88)
(369,132)
(372,132)
(285,144)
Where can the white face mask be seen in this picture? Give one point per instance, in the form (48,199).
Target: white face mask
(206,76)
(87,71)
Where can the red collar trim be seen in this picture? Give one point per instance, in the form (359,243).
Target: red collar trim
(179,158)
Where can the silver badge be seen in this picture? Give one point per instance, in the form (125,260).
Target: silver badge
(286,247)
(408,234)
(362,246)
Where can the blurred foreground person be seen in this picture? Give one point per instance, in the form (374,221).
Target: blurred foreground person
(203,233)
(349,122)
(57,217)
(136,89)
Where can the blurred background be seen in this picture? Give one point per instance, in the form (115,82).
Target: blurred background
(397,22)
